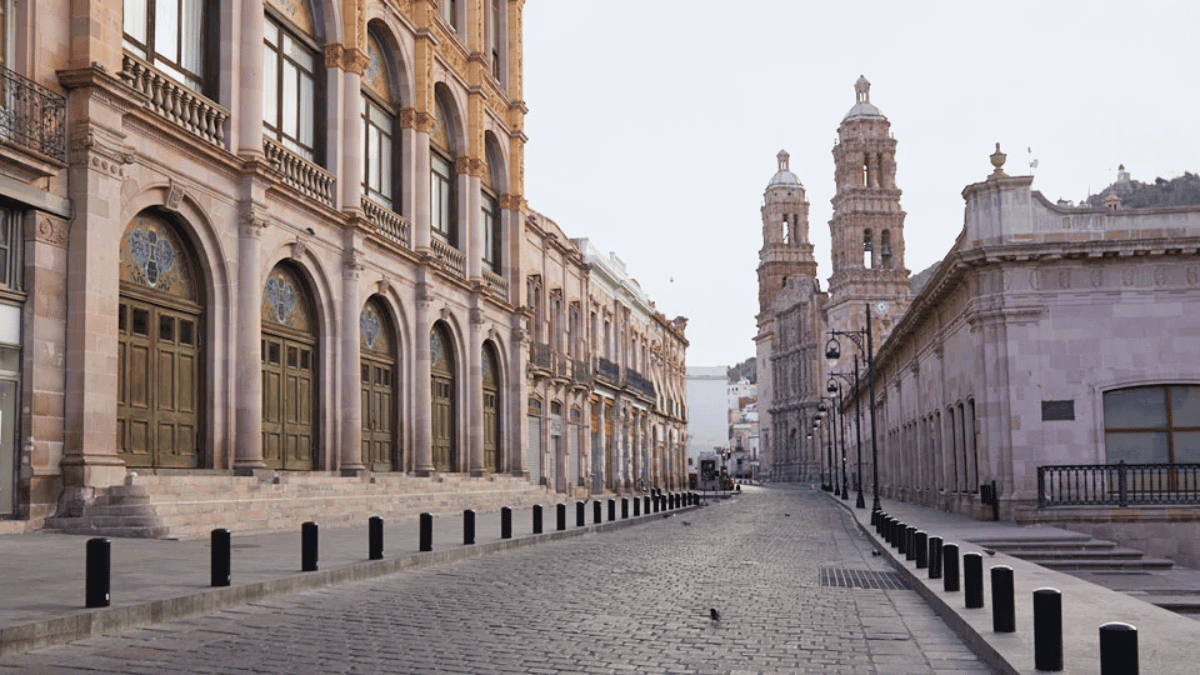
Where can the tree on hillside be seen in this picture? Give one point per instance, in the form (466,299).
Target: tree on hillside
(1181,191)
(746,369)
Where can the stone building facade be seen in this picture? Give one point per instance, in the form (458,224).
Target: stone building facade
(1048,335)
(320,267)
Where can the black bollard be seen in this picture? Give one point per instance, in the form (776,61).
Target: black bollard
(624,508)
(537,518)
(910,541)
(580,514)
(560,520)
(921,544)
(308,547)
(950,567)
(1118,649)
(646,505)
(1047,629)
(1004,611)
(506,522)
(973,579)
(901,532)
(426,532)
(98,573)
(637,507)
(220,558)
(935,557)
(875,520)
(597,512)
(612,509)
(375,538)
(468,527)
(656,504)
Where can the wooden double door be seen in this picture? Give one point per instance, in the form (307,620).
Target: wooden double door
(377,378)
(289,382)
(158,383)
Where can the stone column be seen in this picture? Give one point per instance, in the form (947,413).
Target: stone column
(474,397)
(352,130)
(518,406)
(249,452)
(350,457)
(249,76)
(472,244)
(422,372)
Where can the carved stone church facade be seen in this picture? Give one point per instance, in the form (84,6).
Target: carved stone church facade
(796,316)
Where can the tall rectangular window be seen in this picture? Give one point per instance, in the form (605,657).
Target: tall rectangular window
(378,126)
(170,34)
(491,233)
(450,13)
(10,250)
(496,37)
(441,206)
(289,75)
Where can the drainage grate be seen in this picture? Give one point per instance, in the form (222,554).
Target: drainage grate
(845,578)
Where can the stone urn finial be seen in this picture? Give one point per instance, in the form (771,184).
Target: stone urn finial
(998,158)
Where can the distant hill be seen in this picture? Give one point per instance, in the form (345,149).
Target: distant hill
(747,369)
(1181,191)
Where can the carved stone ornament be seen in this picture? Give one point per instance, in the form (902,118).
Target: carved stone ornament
(510,202)
(471,166)
(174,197)
(425,293)
(476,316)
(253,219)
(424,122)
(353,264)
(384,287)
(334,53)
(445,313)
(52,231)
(356,61)
(408,118)
(299,247)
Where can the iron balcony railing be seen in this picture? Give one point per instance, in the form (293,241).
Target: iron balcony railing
(539,355)
(608,370)
(32,116)
(639,383)
(1118,484)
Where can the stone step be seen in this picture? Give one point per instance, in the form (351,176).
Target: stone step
(1083,565)
(1112,553)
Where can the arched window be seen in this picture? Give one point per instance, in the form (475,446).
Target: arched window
(1153,425)
(442,180)
(381,152)
(291,79)
(885,249)
(867,248)
(174,37)
(491,209)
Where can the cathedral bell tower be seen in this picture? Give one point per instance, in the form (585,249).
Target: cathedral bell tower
(786,256)
(867,229)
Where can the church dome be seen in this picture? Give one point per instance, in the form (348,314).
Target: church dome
(784,177)
(863,108)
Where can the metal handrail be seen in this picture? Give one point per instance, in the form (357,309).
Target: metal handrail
(32,116)
(1118,484)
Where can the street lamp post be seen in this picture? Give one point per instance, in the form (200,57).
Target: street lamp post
(833,352)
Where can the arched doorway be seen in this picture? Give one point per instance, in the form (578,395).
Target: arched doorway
(289,372)
(493,458)
(160,358)
(377,378)
(442,374)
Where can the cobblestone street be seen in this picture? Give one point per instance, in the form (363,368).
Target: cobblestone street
(635,600)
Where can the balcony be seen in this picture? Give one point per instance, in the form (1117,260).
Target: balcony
(300,174)
(581,373)
(176,103)
(450,258)
(497,283)
(638,383)
(607,370)
(387,223)
(539,356)
(32,116)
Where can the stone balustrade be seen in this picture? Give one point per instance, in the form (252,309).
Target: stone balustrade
(451,258)
(388,224)
(175,102)
(300,174)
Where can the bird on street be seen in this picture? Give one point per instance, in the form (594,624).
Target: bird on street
(714,614)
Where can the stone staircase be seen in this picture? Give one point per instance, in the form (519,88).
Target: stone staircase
(1076,553)
(188,506)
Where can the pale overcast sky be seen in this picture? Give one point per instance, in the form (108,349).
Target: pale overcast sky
(653,126)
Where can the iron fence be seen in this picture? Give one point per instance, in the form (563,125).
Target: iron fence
(32,116)
(1118,484)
